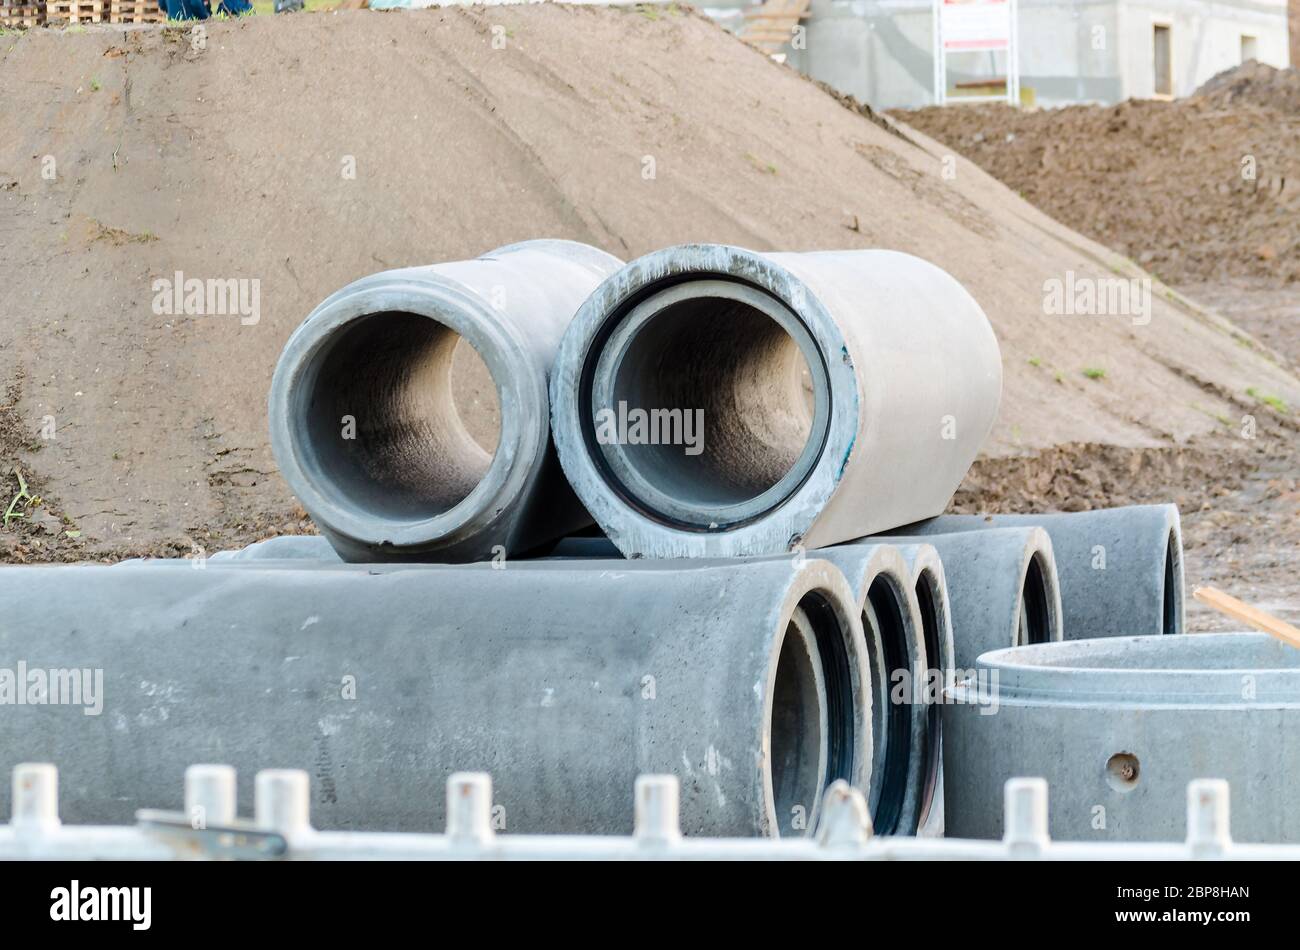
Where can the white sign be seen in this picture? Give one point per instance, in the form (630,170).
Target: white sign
(975,24)
(966,26)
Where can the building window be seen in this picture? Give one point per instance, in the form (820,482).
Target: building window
(1249,47)
(1164,61)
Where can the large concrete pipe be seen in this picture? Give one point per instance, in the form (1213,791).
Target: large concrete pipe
(1119,726)
(409,412)
(1002,588)
(931,588)
(1121,569)
(713,401)
(748,681)
(892,624)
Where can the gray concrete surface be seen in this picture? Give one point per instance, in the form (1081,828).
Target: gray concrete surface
(1002,588)
(1119,726)
(409,411)
(1120,569)
(840,393)
(748,681)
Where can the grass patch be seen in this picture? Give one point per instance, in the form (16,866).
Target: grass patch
(1093,372)
(1276,403)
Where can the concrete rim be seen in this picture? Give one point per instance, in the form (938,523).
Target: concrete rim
(618,465)
(624,521)
(820,584)
(1057,671)
(1038,561)
(927,569)
(887,566)
(521,395)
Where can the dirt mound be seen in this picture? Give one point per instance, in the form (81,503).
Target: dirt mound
(1255,83)
(1193,190)
(303,152)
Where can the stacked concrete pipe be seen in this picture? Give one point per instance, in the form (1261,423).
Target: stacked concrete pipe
(1117,725)
(930,585)
(566,680)
(841,393)
(1003,589)
(367,428)
(1121,569)
(891,622)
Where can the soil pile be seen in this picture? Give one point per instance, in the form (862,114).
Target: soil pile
(1197,189)
(304,152)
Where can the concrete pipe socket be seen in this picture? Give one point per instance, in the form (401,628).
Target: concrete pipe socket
(893,627)
(1003,589)
(565,681)
(1119,726)
(409,411)
(930,584)
(1121,569)
(713,401)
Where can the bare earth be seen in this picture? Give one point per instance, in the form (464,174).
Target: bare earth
(144,432)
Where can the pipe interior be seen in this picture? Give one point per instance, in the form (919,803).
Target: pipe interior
(1169,603)
(887,616)
(814,725)
(1035,609)
(748,380)
(798,739)
(426,410)
(928,597)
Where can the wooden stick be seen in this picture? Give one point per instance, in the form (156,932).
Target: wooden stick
(1239,610)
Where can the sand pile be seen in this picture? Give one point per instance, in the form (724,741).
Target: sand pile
(303,152)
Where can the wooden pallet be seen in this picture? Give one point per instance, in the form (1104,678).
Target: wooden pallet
(22,18)
(75,11)
(135,11)
(772,25)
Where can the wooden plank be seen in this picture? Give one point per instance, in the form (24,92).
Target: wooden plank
(1240,610)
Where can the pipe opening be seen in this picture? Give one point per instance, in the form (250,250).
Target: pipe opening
(929,598)
(888,633)
(1035,609)
(1169,602)
(814,725)
(719,378)
(401,417)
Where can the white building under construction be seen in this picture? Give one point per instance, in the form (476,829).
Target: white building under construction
(882,51)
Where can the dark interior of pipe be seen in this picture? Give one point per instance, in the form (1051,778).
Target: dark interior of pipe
(1035,612)
(1169,602)
(887,606)
(401,416)
(741,375)
(928,597)
(797,704)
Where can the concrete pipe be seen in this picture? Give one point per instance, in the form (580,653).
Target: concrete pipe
(930,584)
(409,411)
(1119,726)
(294,547)
(1002,588)
(748,681)
(713,401)
(1121,569)
(896,650)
